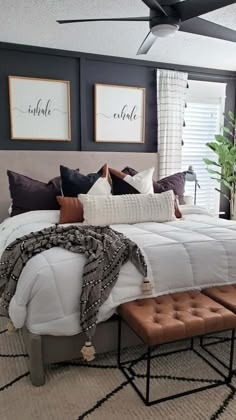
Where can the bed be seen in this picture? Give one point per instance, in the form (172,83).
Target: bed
(195,252)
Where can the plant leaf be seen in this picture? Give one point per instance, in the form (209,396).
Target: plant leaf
(223,181)
(232,179)
(221,192)
(231,116)
(222,139)
(223,167)
(229,122)
(227,130)
(211,171)
(211,162)
(213,146)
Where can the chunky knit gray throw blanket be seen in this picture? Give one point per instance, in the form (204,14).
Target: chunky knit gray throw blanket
(106,251)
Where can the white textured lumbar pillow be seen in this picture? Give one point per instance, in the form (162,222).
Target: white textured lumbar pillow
(130,208)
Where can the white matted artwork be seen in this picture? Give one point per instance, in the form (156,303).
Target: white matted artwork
(119,113)
(39,109)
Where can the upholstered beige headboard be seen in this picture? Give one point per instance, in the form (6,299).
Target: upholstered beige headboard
(44,165)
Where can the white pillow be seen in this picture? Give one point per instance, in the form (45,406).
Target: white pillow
(130,208)
(100,187)
(10,210)
(142,181)
(188,200)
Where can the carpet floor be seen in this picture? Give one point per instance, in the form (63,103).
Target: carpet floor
(99,391)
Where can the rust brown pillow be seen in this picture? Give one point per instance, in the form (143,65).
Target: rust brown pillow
(178,213)
(71,210)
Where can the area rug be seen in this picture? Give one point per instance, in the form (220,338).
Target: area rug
(99,391)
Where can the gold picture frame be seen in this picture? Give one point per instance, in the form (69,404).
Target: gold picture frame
(109,97)
(39,105)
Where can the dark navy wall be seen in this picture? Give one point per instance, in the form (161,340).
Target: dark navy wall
(83,71)
(17,63)
(93,72)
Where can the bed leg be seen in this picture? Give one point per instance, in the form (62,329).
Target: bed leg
(36,366)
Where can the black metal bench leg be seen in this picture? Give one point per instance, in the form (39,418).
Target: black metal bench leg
(231,357)
(228,366)
(148,375)
(119,341)
(131,375)
(192,344)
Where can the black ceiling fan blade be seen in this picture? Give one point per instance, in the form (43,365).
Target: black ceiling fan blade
(189,9)
(206,28)
(147,44)
(128,19)
(170,2)
(153,4)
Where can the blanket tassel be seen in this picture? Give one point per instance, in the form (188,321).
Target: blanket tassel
(147,287)
(88,351)
(11,328)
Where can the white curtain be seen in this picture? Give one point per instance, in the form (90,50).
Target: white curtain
(171,97)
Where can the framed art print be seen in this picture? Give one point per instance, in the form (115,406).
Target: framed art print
(119,113)
(39,109)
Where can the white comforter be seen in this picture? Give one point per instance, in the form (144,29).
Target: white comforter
(195,252)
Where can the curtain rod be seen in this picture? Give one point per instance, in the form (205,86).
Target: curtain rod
(200,74)
(212,76)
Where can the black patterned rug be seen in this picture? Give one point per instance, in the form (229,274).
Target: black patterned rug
(99,391)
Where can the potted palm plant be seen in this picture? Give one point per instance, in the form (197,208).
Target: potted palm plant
(223,169)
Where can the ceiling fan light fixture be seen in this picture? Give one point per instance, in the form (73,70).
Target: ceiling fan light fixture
(164,30)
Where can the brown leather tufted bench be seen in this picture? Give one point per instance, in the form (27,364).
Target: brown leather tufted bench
(170,318)
(226,296)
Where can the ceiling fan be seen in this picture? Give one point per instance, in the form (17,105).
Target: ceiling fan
(166,17)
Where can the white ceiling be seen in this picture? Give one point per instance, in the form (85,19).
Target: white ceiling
(33,22)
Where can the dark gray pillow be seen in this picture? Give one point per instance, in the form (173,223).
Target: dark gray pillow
(29,194)
(175,182)
(74,183)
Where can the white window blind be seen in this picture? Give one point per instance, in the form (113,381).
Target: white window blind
(203,118)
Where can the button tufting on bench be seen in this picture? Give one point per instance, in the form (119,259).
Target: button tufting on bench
(225,295)
(175,317)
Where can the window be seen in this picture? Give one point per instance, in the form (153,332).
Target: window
(203,118)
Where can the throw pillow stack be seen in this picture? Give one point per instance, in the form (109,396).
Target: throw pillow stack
(108,196)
